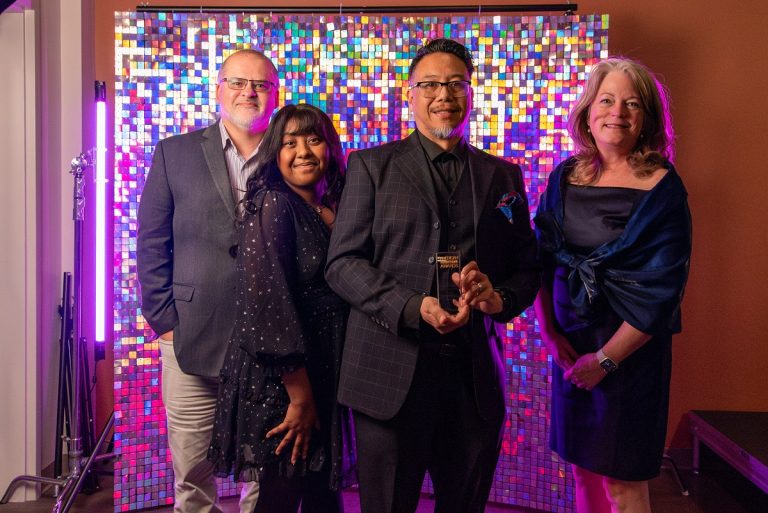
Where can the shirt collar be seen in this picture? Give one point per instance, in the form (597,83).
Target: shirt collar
(433,151)
(225,139)
(226,142)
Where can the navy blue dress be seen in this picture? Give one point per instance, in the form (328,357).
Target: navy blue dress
(287,318)
(603,249)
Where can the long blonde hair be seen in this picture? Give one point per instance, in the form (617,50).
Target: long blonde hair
(654,145)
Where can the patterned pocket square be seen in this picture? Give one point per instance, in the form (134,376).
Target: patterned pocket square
(505,204)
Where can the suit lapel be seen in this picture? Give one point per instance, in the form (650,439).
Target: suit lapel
(411,162)
(217,166)
(482,172)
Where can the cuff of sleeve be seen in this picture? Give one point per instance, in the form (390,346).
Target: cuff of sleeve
(277,366)
(411,316)
(164,325)
(508,305)
(163,328)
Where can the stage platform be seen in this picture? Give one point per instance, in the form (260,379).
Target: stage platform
(739,438)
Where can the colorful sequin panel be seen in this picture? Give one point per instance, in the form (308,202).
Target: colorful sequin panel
(528,72)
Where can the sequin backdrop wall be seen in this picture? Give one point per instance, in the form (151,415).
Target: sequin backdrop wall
(528,71)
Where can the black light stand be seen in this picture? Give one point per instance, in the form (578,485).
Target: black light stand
(79,469)
(74,407)
(65,402)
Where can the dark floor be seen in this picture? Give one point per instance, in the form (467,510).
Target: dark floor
(718,489)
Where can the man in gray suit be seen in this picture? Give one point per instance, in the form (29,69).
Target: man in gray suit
(425,380)
(186,264)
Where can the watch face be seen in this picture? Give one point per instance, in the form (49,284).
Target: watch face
(608,365)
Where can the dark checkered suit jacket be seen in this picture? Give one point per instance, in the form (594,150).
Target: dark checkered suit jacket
(386,233)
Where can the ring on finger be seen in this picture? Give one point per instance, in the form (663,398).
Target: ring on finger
(479,286)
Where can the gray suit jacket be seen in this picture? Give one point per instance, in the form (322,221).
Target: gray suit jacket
(381,254)
(185,252)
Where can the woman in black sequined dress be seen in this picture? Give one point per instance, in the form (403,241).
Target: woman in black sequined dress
(277,420)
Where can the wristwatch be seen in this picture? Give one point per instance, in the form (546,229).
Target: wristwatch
(606,363)
(506,298)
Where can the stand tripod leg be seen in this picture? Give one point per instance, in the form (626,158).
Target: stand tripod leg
(62,406)
(75,481)
(27,479)
(86,416)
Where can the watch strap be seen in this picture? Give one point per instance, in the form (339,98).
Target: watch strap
(606,363)
(506,299)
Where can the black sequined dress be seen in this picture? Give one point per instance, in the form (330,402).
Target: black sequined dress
(287,317)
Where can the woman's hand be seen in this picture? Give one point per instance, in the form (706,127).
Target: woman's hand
(561,350)
(586,373)
(300,417)
(297,426)
(558,346)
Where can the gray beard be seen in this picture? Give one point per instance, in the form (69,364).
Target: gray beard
(246,123)
(446,132)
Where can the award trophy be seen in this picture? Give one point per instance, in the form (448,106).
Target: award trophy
(446,264)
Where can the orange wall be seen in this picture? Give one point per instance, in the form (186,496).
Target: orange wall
(708,53)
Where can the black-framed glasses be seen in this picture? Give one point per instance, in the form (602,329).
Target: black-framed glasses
(431,88)
(259,86)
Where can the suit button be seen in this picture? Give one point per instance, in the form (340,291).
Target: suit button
(452,247)
(431,260)
(233,251)
(452,202)
(436,226)
(452,224)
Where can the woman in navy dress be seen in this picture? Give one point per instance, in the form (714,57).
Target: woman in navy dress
(615,236)
(277,420)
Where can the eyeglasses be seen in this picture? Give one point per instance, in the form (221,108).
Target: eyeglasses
(430,89)
(259,86)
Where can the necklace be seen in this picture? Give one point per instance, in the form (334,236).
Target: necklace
(319,211)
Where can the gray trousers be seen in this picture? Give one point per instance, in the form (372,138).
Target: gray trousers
(190,402)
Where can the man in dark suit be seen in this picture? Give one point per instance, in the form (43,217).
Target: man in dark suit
(186,263)
(425,383)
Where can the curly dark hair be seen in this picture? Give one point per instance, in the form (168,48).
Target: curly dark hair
(443,46)
(309,120)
